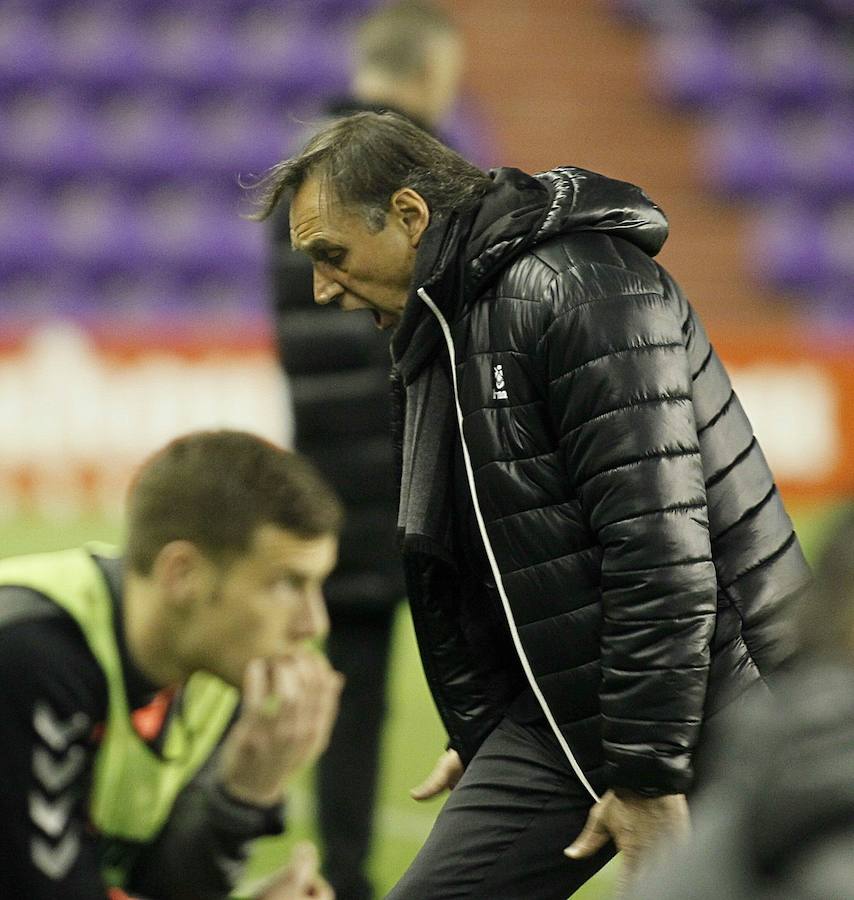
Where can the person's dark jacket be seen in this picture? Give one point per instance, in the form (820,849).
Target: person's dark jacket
(776,821)
(338,369)
(643,557)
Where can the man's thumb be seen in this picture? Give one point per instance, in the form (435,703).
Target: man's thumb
(434,783)
(591,839)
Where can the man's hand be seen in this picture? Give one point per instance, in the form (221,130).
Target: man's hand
(300,881)
(444,777)
(634,823)
(288,709)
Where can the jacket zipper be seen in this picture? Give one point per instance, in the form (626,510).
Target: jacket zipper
(496,574)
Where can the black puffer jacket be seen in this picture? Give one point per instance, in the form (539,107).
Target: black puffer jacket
(642,554)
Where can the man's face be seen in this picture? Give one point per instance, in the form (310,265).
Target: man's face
(354,266)
(265,603)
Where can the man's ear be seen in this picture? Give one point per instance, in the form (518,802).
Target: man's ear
(180,571)
(412,212)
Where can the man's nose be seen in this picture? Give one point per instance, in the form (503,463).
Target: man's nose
(313,621)
(326,289)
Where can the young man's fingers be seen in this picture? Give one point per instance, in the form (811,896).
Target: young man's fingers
(304,862)
(285,684)
(255,684)
(307,723)
(325,710)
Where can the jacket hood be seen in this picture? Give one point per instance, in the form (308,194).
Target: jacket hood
(524,210)
(460,253)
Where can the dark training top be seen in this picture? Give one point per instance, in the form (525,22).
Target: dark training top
(54,701)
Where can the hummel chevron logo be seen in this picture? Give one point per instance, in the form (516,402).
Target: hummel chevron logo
(498,377)
(50,817)
(55,861)
(56,774)
(58,735)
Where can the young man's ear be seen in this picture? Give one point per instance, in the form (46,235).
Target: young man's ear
(412,211)
(181,572)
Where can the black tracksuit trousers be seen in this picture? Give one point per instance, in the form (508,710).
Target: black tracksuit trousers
(501,834)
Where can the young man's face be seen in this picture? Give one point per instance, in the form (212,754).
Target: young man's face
(353,265)
(265,603)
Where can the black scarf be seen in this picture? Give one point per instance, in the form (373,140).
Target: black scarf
(424,413)
(458,255)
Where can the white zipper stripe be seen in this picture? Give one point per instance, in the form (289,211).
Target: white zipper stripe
(496,574)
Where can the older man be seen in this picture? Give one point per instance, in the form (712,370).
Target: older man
(596,554)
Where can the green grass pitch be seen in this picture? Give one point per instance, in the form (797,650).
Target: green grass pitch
(413,738)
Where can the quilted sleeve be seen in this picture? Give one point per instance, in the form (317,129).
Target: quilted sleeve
(620,397)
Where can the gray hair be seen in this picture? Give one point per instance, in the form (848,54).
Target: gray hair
(365,158)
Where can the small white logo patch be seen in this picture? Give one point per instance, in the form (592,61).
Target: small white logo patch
(498,377)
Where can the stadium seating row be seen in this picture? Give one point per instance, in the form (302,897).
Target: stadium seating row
(125,129)
(142,136)
(771,86)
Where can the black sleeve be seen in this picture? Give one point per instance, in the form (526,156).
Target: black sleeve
(620,390)
(200,853)
(52,694)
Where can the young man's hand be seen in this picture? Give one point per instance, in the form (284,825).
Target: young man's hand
(287,712)
(301,880)
(444,777)
(634,823)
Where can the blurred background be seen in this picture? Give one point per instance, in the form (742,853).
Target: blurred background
(134,299)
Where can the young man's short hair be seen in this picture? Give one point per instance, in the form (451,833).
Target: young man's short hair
(216,488)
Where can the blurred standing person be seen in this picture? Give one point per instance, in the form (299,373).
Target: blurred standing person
(776,821)
(157,703)
(408,57)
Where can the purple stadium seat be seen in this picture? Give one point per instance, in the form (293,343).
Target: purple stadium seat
(787,248)
(740,152)
(801,247)
(187,48)
(696,67)
(45,130)
(145,133)
(192,233)
(839,244)
(27,51)
(97,47)
(24,227)
(33,296)
(790,59)
(282,57)
(833,307)
(818,153)
(241,133)
(754,152)
(94,229)
(123,130)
